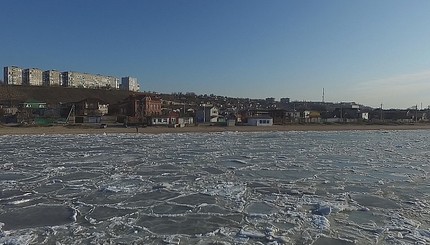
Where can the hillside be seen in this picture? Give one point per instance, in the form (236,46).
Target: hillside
(55,95)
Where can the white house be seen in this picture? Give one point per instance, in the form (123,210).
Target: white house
(163,120)
(365,116)
(207,114)
(294,116)
(172,120)
(185,121)
(260,121)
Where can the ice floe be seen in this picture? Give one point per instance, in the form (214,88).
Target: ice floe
(356,187)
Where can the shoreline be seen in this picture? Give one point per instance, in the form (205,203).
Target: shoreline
(59,129)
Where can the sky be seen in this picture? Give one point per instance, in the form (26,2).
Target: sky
(369,52)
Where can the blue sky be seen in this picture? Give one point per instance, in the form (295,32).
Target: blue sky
(366,51)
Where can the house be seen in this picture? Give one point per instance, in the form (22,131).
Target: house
(207,114)
(162,120)
(151,106)
(293,116)
(346,112)
(32,104)
(260,121)
(9,110)
(279,116)
(165,120)
(394,115)
(185,121)
(91,107)
(8,114)
(90,110)
(172,119)
(139,108)
(30,110)
(140,105)
(312,116)
(231,120)
(365,116)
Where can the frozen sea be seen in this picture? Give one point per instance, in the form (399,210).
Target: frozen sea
(354,187)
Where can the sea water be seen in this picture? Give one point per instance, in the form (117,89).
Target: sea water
(355,187)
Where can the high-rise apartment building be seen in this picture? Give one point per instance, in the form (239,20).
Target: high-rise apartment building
(130,83)
(32,76)
(52,78)
(35,77)
(12,75)
(85,80)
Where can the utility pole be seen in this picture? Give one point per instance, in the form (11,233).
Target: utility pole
(323,96)
(381,111)
(142,104)
(204,113)
(416,113)
(294,112)
(341,112)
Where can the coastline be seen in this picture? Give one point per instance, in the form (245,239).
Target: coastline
(59,129)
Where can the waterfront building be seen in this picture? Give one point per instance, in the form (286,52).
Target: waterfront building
(91,107)
(151,106)
(260,121)
(138,108)
(32,76)
(12,75)
(130,84)
(207,114)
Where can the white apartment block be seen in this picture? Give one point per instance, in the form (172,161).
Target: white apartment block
(12,75)
(32,76)
(85,80)
(130,84)
(52,78)
(35,77)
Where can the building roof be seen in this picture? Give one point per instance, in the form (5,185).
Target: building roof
(260,117)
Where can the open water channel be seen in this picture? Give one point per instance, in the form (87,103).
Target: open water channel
(355,187)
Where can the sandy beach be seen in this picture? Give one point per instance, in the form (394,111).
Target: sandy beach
(38,130)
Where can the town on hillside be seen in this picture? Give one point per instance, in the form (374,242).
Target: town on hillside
(36,97)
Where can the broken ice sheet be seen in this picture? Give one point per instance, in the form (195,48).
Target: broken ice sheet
(275,187)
